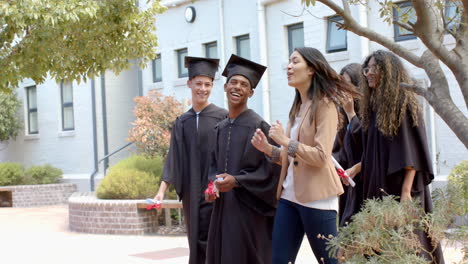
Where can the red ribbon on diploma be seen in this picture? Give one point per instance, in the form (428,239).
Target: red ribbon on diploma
(341,173)
(153,206)
(210,190)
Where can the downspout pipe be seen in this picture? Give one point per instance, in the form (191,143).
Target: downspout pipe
(222,57)
(263,48)
(104,121)
(95,146)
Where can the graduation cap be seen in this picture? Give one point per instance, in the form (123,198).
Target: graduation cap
(201,66)
(240,66)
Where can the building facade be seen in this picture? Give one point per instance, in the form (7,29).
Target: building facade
(265,31)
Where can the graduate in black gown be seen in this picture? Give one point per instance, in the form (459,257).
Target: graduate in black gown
(242,219)
(347,149)
(188,160)
(395,152)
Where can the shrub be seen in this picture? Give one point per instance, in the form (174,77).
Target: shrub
(127,184)
(153,166)
(43,174)
(383,231)
(11,173)
(155,115)
(136,166)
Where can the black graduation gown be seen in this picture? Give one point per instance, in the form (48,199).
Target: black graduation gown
(348,154)
(384,161)
(187,166)
(242,218)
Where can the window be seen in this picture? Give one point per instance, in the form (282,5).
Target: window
(211,50)
(157,72)
(452,15)
(243,46)
(404,12)
(68,121)
(336,37)
(32,110)
(183,72)
(295,37)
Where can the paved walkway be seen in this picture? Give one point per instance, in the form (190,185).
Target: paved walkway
(41,235)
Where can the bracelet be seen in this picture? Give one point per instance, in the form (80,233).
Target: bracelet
(275,153)
(292,148)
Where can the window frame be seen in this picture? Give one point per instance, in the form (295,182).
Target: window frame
(180,64)
(454,25)
(207,48)
(331,22)
(396,29)
(31,110)
(153,65)
(64,105)
(238,40)
(290,28)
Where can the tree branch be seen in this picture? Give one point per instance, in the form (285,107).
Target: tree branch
(346,7)
(398,23)
(431,32)
(419,90)
(350,24)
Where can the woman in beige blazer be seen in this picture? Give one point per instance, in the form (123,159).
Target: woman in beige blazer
(309,186)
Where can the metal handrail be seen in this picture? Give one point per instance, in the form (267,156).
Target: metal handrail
(93,174)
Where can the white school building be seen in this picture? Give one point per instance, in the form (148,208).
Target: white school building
(73,126)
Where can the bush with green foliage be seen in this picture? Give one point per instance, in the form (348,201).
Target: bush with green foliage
(43,174)
(383,231)
(136,177)
(11,173)
(152,166)
(10,123)
(127,184)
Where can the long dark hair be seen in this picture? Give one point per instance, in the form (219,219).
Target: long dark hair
(326,83)
(354,71)
(389,101)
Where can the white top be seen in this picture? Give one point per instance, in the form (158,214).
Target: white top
(198,117)
(330,203)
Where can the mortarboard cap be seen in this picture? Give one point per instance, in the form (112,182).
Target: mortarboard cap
(201,66)
(240,66)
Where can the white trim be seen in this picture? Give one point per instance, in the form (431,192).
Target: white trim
(337,56)
(31,137)
(180,82)
(174,3)
(66,133)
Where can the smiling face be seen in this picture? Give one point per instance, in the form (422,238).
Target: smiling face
(238,90)
(372,74)
(201,87)
(299,73)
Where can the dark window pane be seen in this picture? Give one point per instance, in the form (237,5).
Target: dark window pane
(243,46)
(336,37)
(295,37)
(404,14)
(211,50)
(157,71)
(183,72)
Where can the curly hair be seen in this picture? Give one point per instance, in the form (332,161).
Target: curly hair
(389,101)
(326,83)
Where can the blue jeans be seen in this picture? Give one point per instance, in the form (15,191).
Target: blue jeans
(291,222)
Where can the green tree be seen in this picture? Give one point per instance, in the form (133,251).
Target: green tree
(10,123)
(73,39)
(431,26)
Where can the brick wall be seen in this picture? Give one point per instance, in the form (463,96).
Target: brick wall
(41,194)
(87,214)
